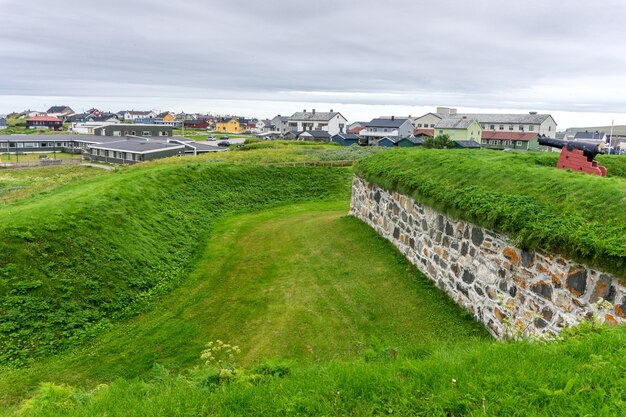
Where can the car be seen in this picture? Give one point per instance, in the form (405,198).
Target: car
(224,137)
(223,143)
(211,138)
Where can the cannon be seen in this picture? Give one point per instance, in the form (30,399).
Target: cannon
(577,155)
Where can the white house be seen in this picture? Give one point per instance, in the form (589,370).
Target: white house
(331,122)
(394,128)
(132,115)
(87,128)
(280,124)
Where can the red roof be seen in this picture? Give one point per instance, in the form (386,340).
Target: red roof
(43,119)
(355,130)
(425,132)
(509,136)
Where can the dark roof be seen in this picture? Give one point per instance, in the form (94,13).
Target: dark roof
(589,135)
(346,136)
(59,109)
(467,144)
(320,116)
(393,139)
(416,141)
(320,134)
(383,122)
(137,145)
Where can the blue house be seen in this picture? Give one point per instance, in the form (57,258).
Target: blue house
(387,141)
(3,123)
(346,139)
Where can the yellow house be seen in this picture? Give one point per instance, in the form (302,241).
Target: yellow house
(230,125)
(167,117)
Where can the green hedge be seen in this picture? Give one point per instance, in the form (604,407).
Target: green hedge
(578,215)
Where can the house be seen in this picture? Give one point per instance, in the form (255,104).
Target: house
(132,115)
(526,141)
(264,125)
(314,136)
(466,144)
(346,139)
(21,144)
(231,124)
(196,124)
(331,122)
(393,127)
(60,111)
(543,124)
(459,129)
(44,122)
(156,121)
(355,130)
(410,142)
(166,116)
(31,113)
(355,125)
(591,136)
(280,124)
(88,128)
(193,147)
(134,130)
(3,123)
(134,150)
(291,135)
(80,118)
(387,141)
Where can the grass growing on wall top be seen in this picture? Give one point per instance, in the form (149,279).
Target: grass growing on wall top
(578,215)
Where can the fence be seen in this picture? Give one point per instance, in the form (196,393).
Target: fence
(40,163)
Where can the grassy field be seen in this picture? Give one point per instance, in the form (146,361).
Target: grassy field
(36,156)
(578,215)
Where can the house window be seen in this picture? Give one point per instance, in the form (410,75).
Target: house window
(451,132)
(419,125)
(441,132)
(432,125)
(146,133)
(501,127)
(549,128)
(531,128)
(482,126)
(521,128)
(492,127)
(511,127)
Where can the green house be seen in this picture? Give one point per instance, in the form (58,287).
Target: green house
(459,128)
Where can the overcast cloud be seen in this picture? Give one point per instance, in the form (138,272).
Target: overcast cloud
(549,55)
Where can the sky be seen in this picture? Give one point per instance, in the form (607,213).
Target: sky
(363,58)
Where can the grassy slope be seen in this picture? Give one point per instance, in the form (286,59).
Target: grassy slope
(102,249)
(578,215)
(299,282)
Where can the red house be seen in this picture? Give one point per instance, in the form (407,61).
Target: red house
(44,122)
(197,124)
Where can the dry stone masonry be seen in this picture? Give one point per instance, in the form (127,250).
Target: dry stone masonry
(512,291)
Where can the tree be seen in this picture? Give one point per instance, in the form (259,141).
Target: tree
(439,142)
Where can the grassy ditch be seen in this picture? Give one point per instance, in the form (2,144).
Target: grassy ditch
(580,216)
(102,249)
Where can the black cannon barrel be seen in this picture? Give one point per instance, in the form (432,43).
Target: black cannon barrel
(590,149)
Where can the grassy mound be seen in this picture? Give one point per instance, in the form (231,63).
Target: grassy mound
(96,251)
(580,216)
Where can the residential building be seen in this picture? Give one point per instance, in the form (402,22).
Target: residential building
(465,144)
(280,124)
(264,125)
(134,130)
(388,141)
(196,124)
(511,140)
(20,144)
(346,139)
(355,125)
(314,136)
(3,123)
(134,150)
(542,124)
(393,127)
(459,129)
(44,122)
(80,118)
(166,116)
(591,136)
(157,121)
(331,122)
(132,115)
(231,124)
(424,133)
(88,128)
(60,111)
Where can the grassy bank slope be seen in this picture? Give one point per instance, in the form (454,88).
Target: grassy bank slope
(102,249)
(581,216)
(301,282)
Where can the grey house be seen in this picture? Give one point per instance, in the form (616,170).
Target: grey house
(3,123)
(134,150)
(134,130)
(393,128)
(315,136)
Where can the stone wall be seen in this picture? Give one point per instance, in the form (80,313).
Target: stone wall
(512,291)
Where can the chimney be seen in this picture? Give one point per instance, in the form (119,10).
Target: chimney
(452,112)
(532,112)
(304,110)
(331,110)
(465,117)
(393,117)
(313,111)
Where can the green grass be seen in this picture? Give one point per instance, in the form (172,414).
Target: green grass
(578,215)
(299,282)
(97,251)
(36,156)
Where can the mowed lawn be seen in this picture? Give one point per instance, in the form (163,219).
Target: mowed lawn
(302,282)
